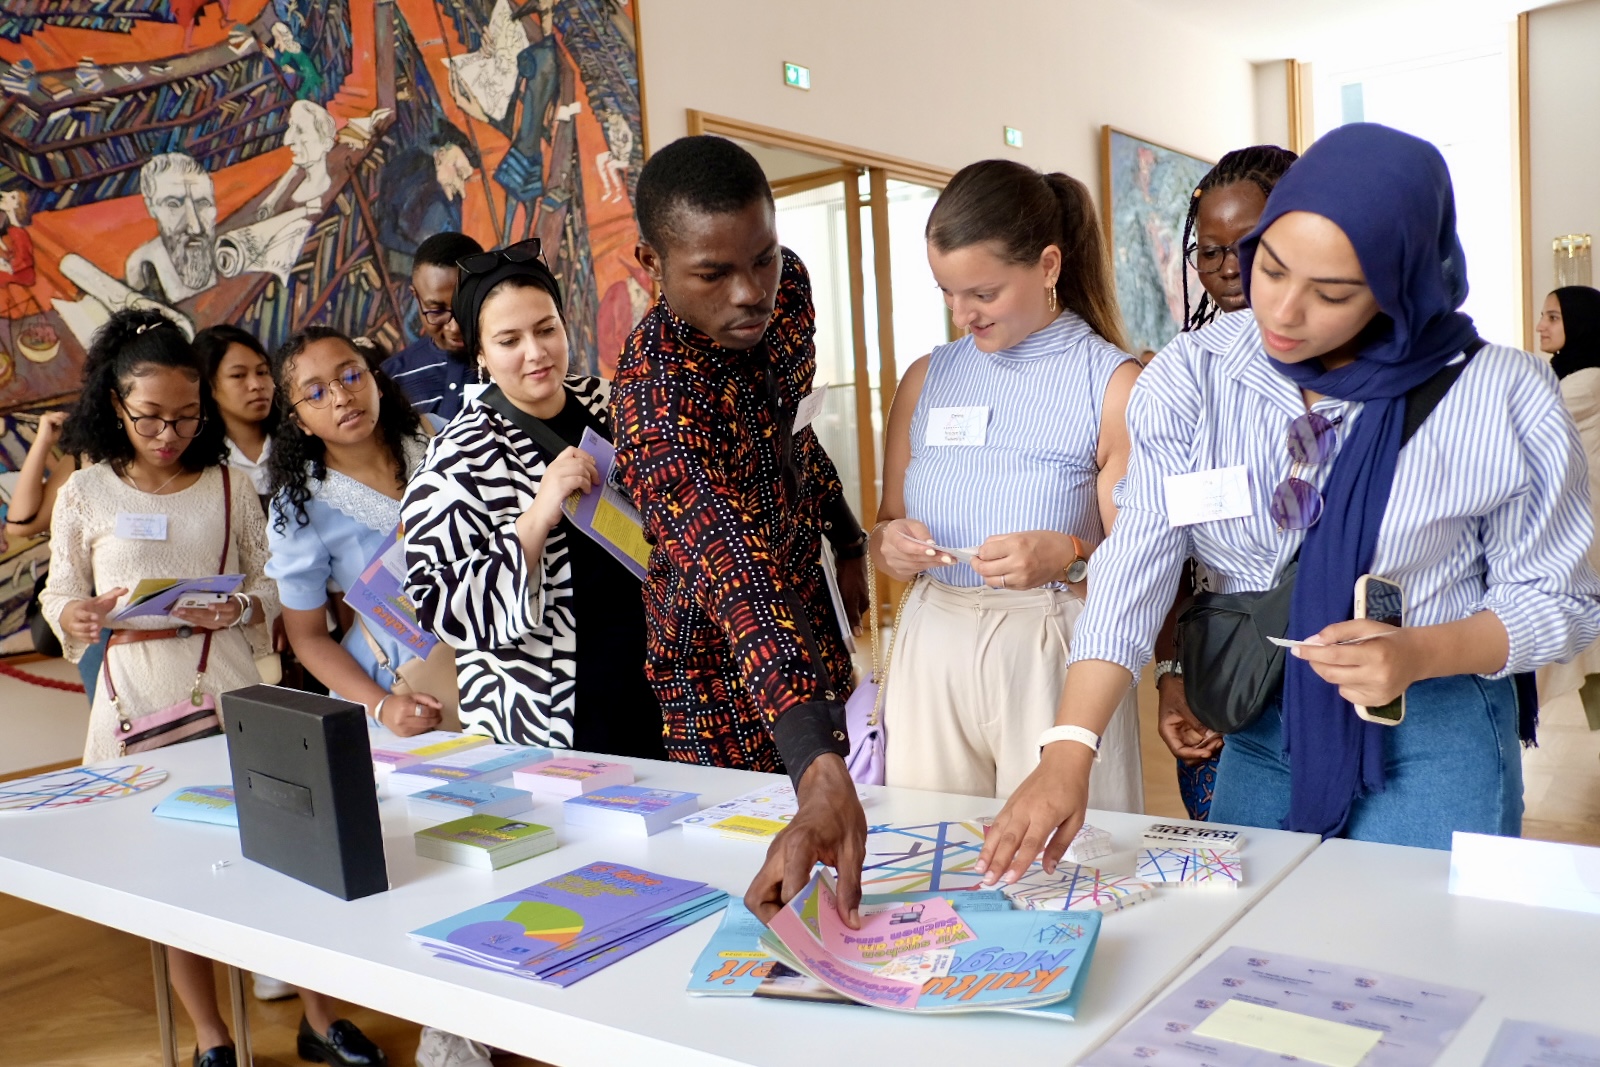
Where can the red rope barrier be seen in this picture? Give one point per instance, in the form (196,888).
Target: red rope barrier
(40,680)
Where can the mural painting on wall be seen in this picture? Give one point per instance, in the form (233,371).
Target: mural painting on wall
(275,163)
(1145,190)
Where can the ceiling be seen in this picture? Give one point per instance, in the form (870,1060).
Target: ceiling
(1338,30)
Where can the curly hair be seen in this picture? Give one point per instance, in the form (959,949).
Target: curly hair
(213,342)
(129,346)
(1262,164)
(297,456)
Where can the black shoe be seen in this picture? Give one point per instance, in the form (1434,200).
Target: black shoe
(344,1045)
(221,1056)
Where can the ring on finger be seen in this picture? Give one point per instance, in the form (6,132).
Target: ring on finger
(1003,582)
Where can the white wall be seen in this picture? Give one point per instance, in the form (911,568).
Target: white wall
(935,80)
(1272,102)
(1564,115)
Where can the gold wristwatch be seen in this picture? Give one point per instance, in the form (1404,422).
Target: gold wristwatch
(1078,569)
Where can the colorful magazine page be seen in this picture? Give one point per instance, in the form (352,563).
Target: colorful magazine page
(685,915)
(1201,867)
(606,514)
(201,803)
(542,922)
(380,596)
(1417,1018)
(1015,959)
(891,930)
(733,962)
(159,596)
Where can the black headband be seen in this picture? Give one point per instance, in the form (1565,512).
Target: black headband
(471,289)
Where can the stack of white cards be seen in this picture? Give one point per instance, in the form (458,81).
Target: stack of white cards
(1176,835)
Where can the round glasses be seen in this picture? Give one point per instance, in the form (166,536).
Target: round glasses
(319,394)
(1208,259)
(155,425)
(1296,503)
(436,316)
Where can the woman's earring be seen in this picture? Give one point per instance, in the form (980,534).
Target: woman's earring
(1050,297)
(483,372)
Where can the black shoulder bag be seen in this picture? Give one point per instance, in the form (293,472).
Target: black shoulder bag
(1231,672)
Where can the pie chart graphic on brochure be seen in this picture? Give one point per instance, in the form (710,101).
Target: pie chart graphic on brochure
(528,929)
(547,922)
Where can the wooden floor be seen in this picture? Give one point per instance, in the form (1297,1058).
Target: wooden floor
(80,995)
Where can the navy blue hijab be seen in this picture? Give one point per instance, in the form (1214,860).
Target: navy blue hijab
(1390,193)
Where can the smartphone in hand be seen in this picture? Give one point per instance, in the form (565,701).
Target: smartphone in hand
(1381,600)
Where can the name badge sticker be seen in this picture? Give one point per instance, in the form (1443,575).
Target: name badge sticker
(810,407)
(1208,496)
(957,426)
(135,526)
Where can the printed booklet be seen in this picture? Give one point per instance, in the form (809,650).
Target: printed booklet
(486,841)
(924,956)
(492,764)
(630,808)
(201,803)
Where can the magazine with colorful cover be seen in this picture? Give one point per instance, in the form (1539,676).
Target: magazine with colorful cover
(391,752)
(455,799)
(1014,959)
(492,763)
(379,594)
(201,803)
(571,777)
(606,514)
(486,841)
(562,920)
(628,807)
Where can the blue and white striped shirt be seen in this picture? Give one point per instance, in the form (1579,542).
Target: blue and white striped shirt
(1036,469)
(1489,510)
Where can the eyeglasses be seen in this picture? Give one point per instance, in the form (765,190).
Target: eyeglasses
(318,394)
(155,425)
(1210,258)
(484,262)
(1296,503)
(436,316)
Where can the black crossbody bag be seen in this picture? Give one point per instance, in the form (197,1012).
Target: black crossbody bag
(1231,672)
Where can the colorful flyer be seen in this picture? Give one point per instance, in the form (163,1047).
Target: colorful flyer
(380,596)
(159,596)
(606,514)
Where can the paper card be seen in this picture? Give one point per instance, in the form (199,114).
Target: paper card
(1284,642)
(1289,1034)
(957,426)
(137,526)
(810,407)
(605,514)
(1208,496)
(1525,1044)
(919,966)
(1545,874)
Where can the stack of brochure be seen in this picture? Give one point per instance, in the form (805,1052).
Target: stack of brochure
(492,764)
(568,927)
(391,752)
(629,808)
(469,798)
(562,778)
(486,841)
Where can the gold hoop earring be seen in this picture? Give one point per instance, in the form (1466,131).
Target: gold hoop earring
(1050,298)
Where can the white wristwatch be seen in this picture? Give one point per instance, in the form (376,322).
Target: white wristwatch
(1071,733)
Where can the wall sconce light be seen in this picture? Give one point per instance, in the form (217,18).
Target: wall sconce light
(1574,265)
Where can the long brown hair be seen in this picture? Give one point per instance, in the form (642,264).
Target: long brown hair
(1023,212)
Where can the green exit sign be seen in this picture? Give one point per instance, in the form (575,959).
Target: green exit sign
(796,77)
(1013,137)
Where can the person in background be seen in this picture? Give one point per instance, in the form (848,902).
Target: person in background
(346,447)
(1225,207)
(549,628)
(433,372)
(241,380)
(1353,276)
(157,501)
(744,649)
(1569,330)
(981,645)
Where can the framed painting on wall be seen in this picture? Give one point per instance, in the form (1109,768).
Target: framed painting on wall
(1144,194)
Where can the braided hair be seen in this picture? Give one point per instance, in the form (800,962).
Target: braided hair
(1262,164)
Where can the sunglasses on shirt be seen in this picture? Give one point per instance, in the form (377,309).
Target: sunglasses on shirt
(1296,503)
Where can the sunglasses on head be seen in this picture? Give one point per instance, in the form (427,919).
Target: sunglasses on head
(484,262)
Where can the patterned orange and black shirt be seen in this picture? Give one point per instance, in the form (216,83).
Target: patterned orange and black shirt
(744,650)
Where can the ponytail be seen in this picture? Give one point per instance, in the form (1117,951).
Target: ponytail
(1024,212)
(1086,285)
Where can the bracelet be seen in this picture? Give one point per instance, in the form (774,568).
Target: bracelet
(1079,734)
(247,610)
(1166,667)
(854,550)
(377,711)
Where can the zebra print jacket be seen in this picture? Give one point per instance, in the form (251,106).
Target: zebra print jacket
(511,624)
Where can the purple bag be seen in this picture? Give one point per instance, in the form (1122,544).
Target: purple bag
(863,712)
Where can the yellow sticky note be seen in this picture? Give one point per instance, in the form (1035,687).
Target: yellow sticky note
(1289,1034)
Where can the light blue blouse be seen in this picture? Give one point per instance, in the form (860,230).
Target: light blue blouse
(1036,469)
(1489,510)
(348,523)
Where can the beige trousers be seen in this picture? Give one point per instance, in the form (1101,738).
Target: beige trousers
(975,677)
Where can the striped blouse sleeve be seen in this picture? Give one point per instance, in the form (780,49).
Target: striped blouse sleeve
(1134,574)
(466,571)
(1535,545)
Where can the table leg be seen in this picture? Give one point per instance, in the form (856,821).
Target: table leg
(169,1036)
(241,1017)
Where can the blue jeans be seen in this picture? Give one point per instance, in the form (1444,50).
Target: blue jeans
(1455,763)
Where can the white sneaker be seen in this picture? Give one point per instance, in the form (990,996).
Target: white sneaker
(439,1049)
(271,989)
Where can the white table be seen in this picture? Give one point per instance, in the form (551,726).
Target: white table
(1389,908)
(116,864)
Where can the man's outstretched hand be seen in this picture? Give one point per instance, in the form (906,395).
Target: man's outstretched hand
(830,827)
